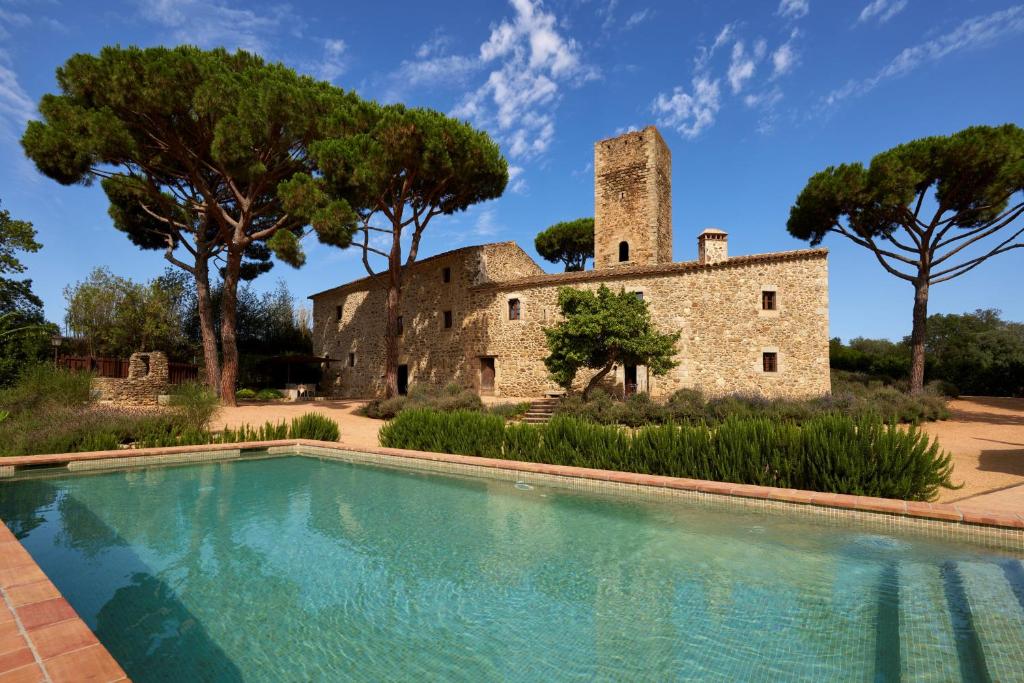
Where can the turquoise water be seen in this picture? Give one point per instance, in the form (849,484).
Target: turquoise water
(297,569)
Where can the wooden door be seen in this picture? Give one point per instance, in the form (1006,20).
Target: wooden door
(630,380)
(487,375)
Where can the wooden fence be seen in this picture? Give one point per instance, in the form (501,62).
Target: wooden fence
(177,373)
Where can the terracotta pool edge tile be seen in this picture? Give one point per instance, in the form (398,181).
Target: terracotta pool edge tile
(58,611)
(29,672)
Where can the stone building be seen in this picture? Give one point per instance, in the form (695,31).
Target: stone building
(475,316)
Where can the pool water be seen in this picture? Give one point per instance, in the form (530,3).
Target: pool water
(301,569)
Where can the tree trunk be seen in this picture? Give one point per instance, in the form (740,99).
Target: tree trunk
(394,307)
(228,339)
(917,336)
(206,327)
(595,380)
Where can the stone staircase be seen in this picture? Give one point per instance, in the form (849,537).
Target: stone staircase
(540,411)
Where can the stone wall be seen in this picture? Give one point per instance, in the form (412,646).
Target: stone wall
(435,354)
(716,307)
(147,380)
(633,199)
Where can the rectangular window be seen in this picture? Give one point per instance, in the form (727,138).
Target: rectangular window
(639,296)
(352,359)
(447,319)
(446,274)
(767,301)
(401,326)
(337,312)
(513,309)
(770,361)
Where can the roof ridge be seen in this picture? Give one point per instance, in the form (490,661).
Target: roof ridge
(428,259)
(653,269)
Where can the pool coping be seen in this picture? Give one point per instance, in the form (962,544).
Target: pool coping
(43,638)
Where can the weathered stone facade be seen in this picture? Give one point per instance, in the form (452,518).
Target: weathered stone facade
(147,380)
(717,303)
(632,200)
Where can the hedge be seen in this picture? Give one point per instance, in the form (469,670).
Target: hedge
(829,453)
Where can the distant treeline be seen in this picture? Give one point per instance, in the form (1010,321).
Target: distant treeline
(977,354)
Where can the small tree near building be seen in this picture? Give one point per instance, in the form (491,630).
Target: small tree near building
(929,211)
(569,242)
(603,329)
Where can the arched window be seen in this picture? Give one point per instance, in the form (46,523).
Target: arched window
(513,309)
(623,251)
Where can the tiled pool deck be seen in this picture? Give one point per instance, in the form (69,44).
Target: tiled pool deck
(43,639)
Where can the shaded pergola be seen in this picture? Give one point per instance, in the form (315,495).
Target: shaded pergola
(297,368)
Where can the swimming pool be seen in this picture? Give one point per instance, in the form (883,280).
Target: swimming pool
(297,568)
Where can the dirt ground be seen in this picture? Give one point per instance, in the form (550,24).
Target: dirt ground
(986,438)
(985,435)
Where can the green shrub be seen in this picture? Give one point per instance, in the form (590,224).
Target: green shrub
(385,408)
(827,452)
(449,398)
(44,385)
(853,395)
(195,405)
(268,395)
(245,394)
(314,426)
(462,432)
(268,431)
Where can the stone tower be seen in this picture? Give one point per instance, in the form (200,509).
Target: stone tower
(632,200)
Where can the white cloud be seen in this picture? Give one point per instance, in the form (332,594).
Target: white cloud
(637,18)
(794,9)
(883,10)
(16,107)
(438,45)
(334,61)
(692,110)
(689,113)
(214,23)
(741,68)
(516,181)
(766,99)
(784,59)
(704,54)
(972,33)
(486,224)
(444,69)
(529,60)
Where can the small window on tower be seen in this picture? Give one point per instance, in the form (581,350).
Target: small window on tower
(767,301)
(639,296)
(446,274)
(337,312)
(623,251)
(770,361)
(513,309)
(401,326)
(447,319)
(352,359)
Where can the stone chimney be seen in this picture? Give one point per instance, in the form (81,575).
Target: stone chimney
(712,246)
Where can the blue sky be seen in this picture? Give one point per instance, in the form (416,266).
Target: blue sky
(752,97)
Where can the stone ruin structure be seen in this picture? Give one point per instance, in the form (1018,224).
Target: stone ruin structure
(147,381)
(475,316)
